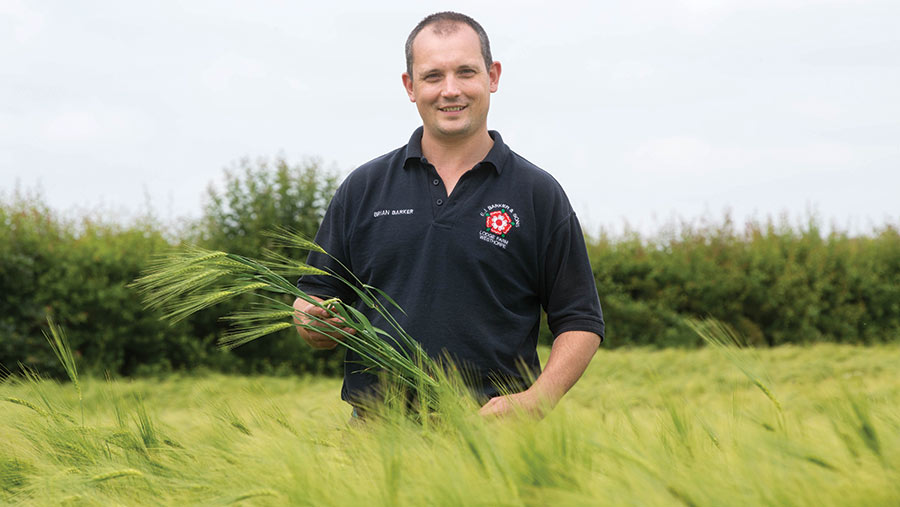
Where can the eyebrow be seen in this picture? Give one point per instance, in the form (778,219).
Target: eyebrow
(464,66)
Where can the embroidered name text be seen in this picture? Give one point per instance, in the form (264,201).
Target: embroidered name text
(387,212)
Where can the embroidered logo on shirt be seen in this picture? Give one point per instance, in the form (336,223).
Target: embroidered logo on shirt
(499,220)
(499,223)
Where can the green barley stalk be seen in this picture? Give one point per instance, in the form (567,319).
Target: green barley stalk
(127,472)
(35,381)
(60,345)
(186,281)
(724,339)
(25,403)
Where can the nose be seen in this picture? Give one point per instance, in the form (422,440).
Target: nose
(451,87)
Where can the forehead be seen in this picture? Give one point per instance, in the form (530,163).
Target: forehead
(447,48)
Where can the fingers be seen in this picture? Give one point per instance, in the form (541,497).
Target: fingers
(323,333)
(315,311)
(495,407)
(519,404)
(308,313)
(325,338)
(319,341)
(331,326)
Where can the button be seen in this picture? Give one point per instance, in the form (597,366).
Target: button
(436,182)
(439,202)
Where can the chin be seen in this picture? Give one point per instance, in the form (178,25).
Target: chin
(455,131)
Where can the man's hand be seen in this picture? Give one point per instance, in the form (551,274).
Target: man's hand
(324,339)
(525,403)
(569,357)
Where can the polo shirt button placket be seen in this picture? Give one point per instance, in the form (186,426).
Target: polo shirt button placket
(439,202)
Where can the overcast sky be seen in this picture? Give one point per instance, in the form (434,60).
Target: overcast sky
(643,110)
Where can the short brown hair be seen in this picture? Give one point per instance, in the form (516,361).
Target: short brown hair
(447,22)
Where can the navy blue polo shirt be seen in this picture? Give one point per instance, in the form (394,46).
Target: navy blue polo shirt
(472,270)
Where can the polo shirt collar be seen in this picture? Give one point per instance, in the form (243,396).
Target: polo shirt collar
(496,157)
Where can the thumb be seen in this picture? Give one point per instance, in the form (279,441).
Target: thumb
(317,311)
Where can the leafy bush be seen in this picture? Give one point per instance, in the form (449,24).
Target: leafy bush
(78,272)
(774,283)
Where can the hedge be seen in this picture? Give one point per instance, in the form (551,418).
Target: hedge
(774,282)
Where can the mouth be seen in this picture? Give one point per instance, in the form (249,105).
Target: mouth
(451,109)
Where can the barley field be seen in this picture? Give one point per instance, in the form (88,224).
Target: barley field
(816,425)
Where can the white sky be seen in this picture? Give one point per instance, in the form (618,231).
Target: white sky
(643,110)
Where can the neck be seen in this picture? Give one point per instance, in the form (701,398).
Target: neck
(456,156)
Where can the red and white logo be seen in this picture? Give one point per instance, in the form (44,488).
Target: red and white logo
(498,222)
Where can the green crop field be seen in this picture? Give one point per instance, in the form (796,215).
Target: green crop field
(817,425)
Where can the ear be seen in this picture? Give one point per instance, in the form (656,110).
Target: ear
(494,76)
(408,84)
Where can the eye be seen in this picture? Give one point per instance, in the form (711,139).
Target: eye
(432,77)
(467,72)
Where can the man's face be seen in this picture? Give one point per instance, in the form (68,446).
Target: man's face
(450,84)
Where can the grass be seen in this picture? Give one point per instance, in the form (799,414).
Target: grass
(647,427)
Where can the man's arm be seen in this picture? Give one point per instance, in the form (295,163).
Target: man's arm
(570,355)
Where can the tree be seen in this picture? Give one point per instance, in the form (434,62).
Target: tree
(262,195)
(256,197)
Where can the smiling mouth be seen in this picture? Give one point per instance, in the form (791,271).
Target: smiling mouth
(452,109)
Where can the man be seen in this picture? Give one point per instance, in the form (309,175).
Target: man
(468,237)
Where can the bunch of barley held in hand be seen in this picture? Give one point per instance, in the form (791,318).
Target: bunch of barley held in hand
(186,281)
